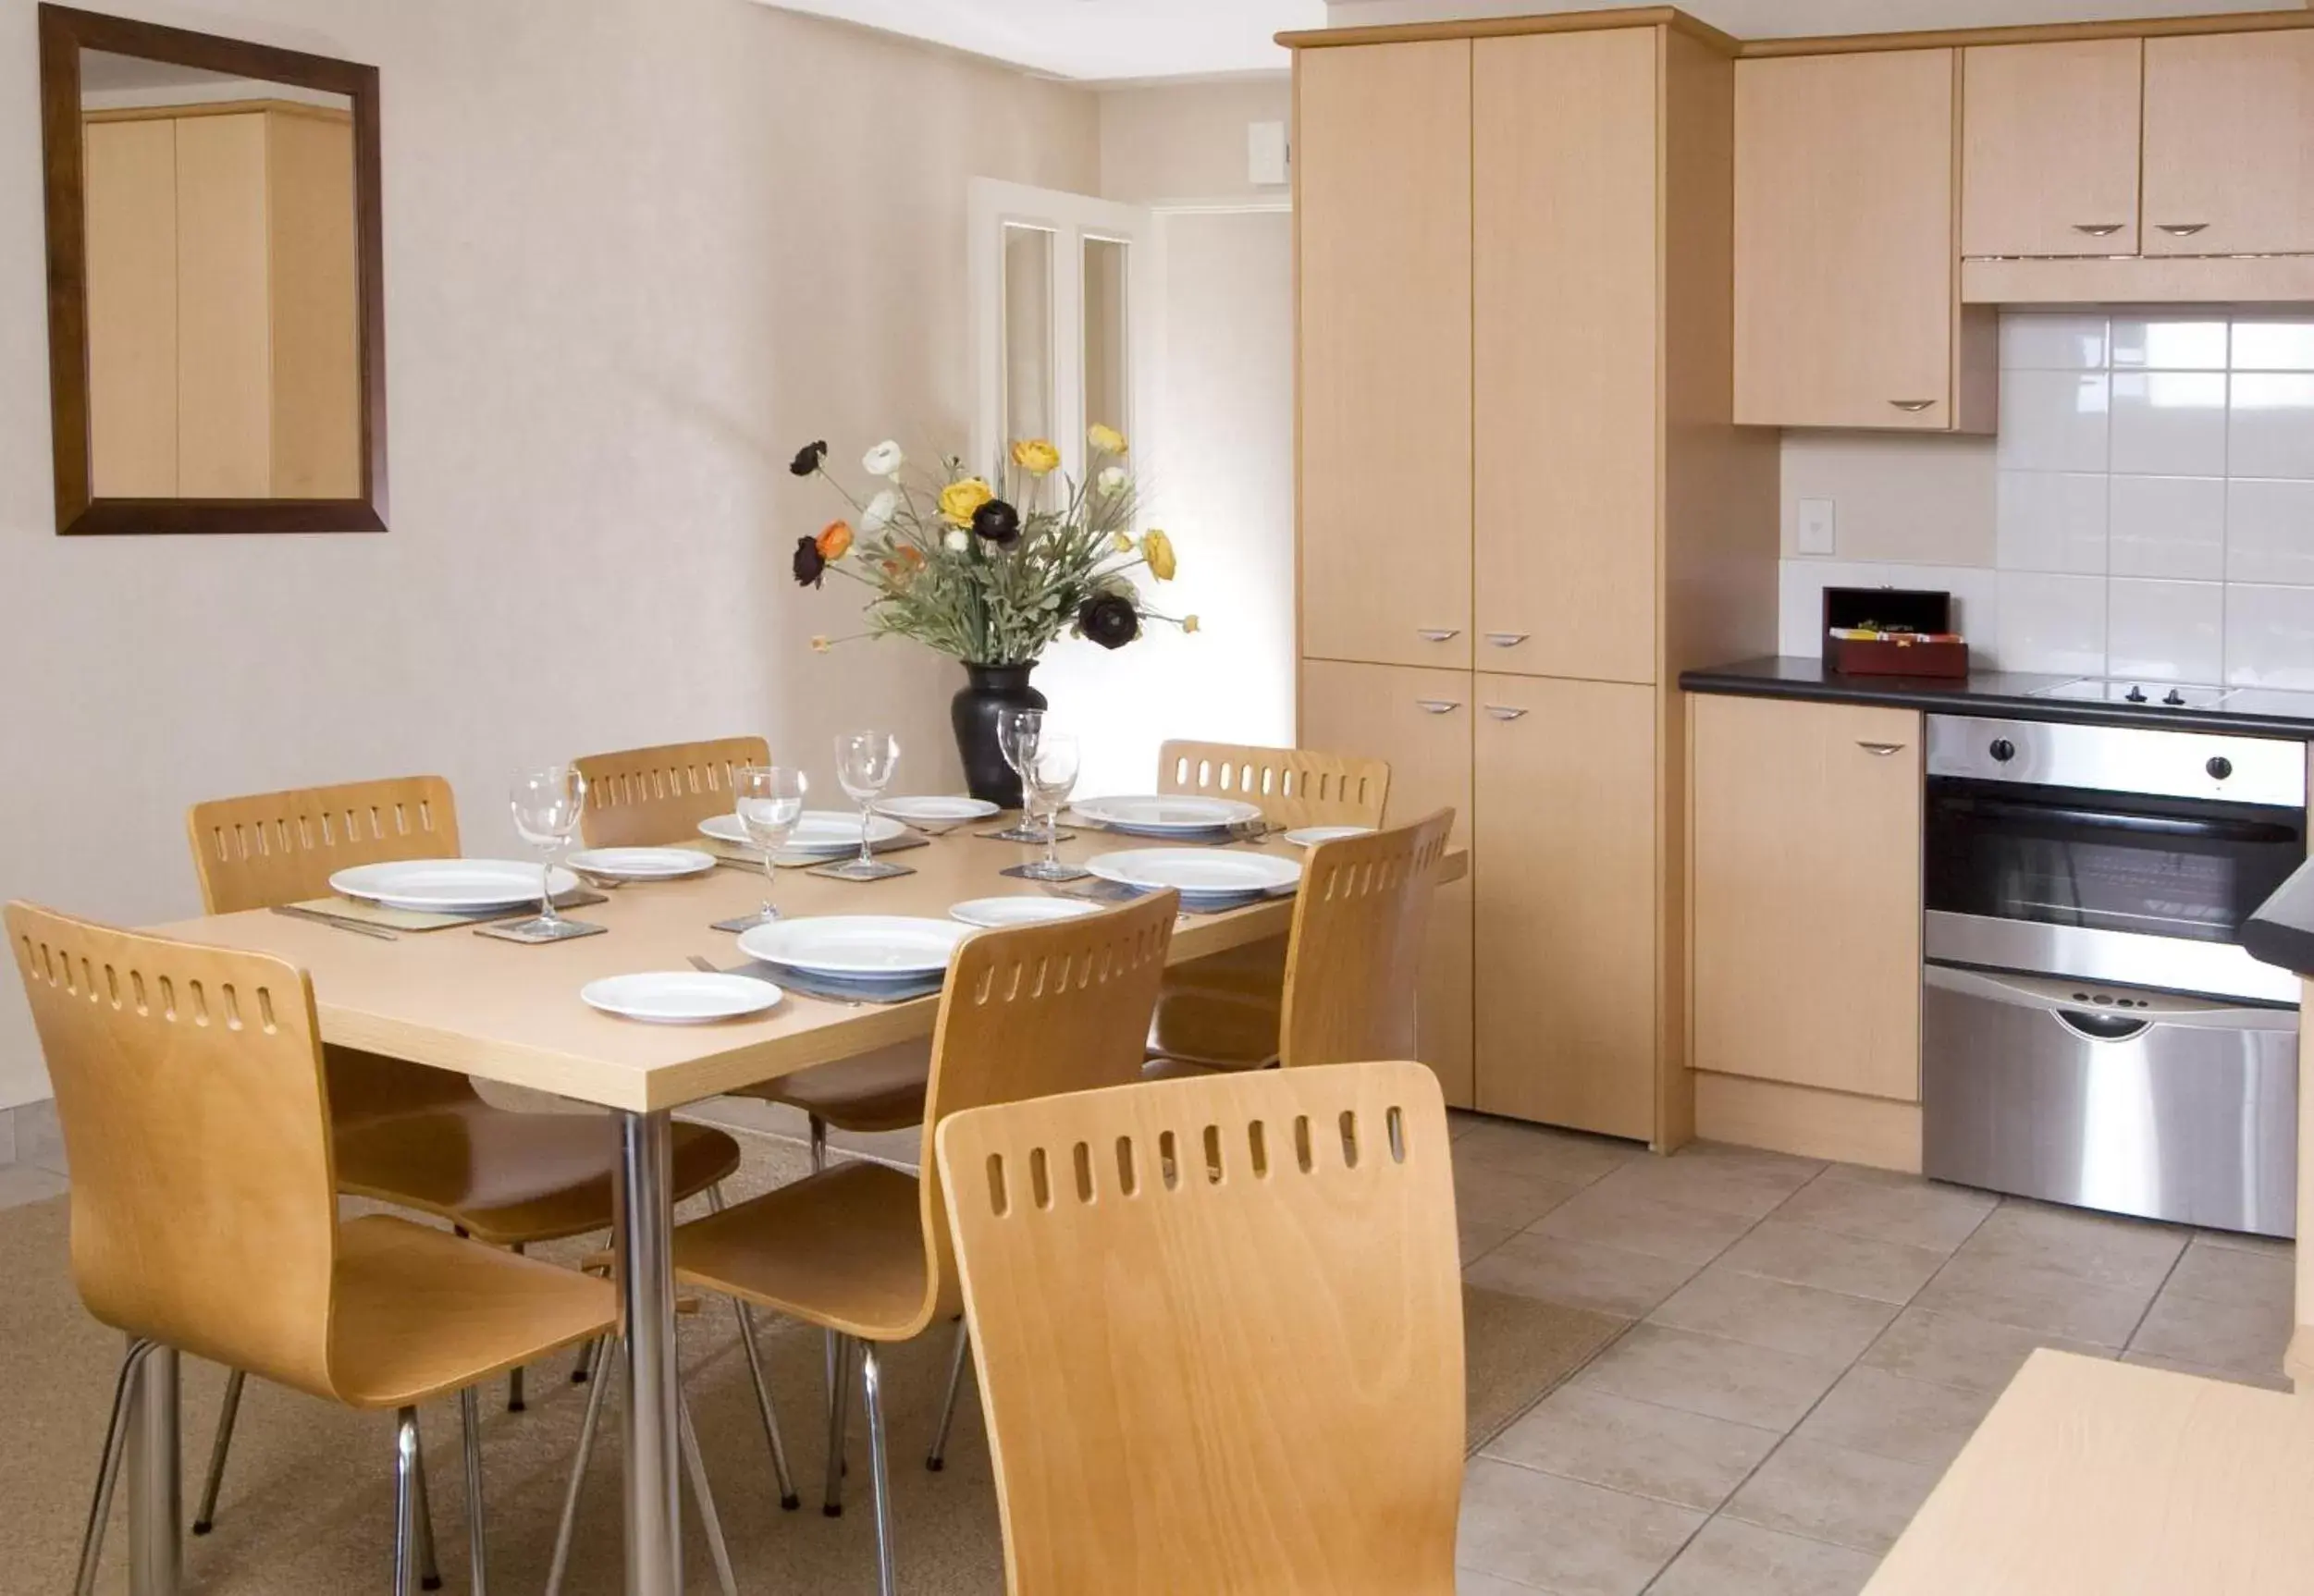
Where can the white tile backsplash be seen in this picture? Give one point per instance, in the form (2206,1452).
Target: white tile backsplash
(2166,526)
(2169,423)
(2274,344)
(2053,343)
(2053,421)
(2268,531)
(2270,425)
(2051,622)
(2165,630)
(2270,636)
(2164,343)
(2053,520)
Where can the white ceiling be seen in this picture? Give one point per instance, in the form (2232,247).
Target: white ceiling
(1093,40)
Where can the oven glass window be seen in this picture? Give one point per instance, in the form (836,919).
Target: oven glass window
(2157,867)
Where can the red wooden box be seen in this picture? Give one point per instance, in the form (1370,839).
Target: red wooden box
(1890,610)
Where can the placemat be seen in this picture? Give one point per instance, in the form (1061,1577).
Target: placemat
(419,920)
(741,854)
(879,993)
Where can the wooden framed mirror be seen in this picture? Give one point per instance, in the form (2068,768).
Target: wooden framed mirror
(217,311)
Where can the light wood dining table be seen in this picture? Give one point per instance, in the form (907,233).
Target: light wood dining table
(511,1014)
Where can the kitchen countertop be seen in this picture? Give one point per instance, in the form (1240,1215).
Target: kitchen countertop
(2005,694)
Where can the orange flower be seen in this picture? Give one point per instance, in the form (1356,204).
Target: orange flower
(835,540)
(912,557)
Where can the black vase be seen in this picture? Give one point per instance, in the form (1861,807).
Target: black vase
(992,690)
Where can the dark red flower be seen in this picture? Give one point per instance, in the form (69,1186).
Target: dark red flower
(810,564)
(1110,620)
(808,458)
(997,522)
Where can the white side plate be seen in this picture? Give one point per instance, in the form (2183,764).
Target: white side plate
(448,886)
(937,811)
(856,947)
(820,831)
(1183,813)
(1198,872)
(1021,910)
(680,997)
(643,864)
(1311,836)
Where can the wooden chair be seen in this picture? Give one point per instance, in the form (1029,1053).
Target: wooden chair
(862,1250)
(416,1137)
(643,797)
(1218,1327)
(1353,964)
(195,1110)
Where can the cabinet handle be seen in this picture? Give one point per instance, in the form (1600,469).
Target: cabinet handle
(1503,712)
(1437,706)
(1508,639)
(1912,406)
(1437,634)
(2098,229)
(1881,749)
(2181,229)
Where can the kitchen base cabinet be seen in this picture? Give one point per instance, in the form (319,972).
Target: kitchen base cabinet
(1567,904)
(1808,1123)
(1418,720)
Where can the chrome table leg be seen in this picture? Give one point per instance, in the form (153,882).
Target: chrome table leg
(646,1306)
(155,1501)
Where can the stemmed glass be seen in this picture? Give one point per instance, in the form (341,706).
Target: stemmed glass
(1016,734)
(865,763)
(768,800)
(1050,773)
(548,806)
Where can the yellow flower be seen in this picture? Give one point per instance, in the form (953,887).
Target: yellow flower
(1188,624)
(1036,456)
(1105,439)
(959,499)
(1157,548)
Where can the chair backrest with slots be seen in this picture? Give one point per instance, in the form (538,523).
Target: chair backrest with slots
(274,848)
(1218,1331)
(1353,964)
(1291,786)
(642,797)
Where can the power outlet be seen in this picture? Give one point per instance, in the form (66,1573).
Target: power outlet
(1819,526)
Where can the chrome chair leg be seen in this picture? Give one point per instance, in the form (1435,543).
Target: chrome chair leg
(612,1359)
(879,1468)
(937,1459)
(788,1498)
(694,1463)
(819,1144)
(429,1570)
(408,1486)
(515,1402)
(205,1516)
(839,1402)
(108,1466)
(470,1421)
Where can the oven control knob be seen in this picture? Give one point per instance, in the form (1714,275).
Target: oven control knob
(2003,749)
(2136,696)
(2219,767)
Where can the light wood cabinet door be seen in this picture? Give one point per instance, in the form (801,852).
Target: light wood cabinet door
(224,309)
(1846,258)
(1382,170)
(2230,144)
(1567,370)
(2048,161)
(1806,894)
(129,182)
(1566,903)
(1419,721)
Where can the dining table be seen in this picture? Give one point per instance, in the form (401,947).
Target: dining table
(509,1014)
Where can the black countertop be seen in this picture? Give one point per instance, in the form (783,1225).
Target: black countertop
(2006,694)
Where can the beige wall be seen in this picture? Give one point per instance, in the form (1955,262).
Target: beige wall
(636,252)
(1929,500)
(1187,141)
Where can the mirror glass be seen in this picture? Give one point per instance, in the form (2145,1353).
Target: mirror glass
(1027,332)
(1108,380)
(224,293)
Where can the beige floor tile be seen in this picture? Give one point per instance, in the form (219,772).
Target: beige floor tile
(1795,1318)
(2274,1382)
(2033,1295)
(2100,1248)
(1872,1410)
(1461,1123)
(1568,1538)
(1471,1582)
(8,1137)
(1579,1274)
(1706,1374)
(1882,1206)
(29,1182)
(1569,1157)
(2234,1274)
(1729,1557)
(39,1138)
(2237,1241)
(2248,1336)
(1611,1215)
(1954,1349)
(1636,1447)
(1726,1180)
(1855,1498)
(1505,1195)
(1831,1261)
(1477,1240)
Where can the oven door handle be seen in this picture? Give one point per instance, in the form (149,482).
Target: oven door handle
(2098,1024)
(2143,825)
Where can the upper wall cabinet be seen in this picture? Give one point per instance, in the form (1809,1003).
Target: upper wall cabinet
(2229,140)
(2049,161)
(1383,214)
(1847,262)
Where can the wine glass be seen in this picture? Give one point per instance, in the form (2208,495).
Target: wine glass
(1016,734)
(865,763)
(1050,771)
(768,800)
(548,806)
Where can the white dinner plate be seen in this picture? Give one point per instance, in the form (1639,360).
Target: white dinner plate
(680,997)
(448,886)
(1311,836)
(642,863)
(1021,909)
(856,947)
(820,831)
(1198,873)
(937,811)
(1166,815)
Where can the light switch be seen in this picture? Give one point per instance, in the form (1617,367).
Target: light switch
(1819,526)
(1266,155)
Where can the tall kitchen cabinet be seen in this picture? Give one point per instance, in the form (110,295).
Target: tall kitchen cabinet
(1524,508)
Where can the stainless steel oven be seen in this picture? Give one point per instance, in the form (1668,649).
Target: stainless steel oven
(2093,1031)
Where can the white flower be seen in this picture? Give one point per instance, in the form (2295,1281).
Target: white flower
(884,459)
(1111,482)
(955,540)
(878,515)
